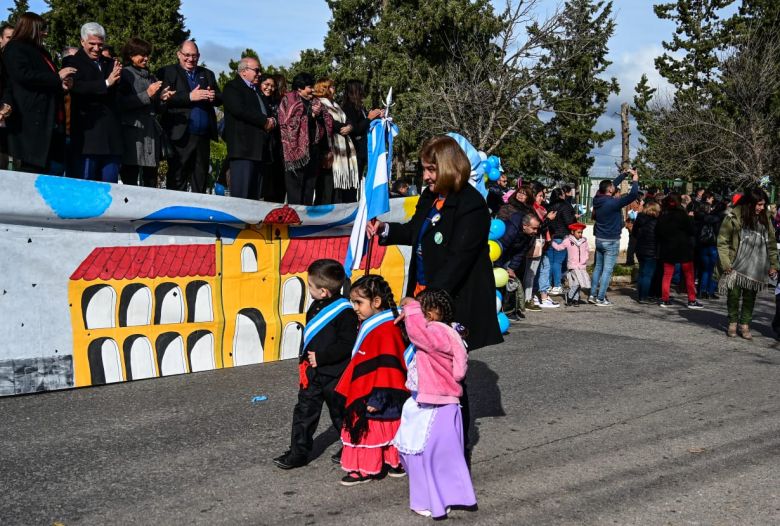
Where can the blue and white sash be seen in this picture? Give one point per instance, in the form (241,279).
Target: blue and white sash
(409,354)
(322,318)
(369,325)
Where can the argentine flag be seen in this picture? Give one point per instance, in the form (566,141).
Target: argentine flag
(375,190)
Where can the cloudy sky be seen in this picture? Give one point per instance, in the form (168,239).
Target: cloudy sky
(279,30)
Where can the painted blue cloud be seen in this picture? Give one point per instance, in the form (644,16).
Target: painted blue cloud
(319,210)
(192,213)
(217,230)
(74,198)
(303,231)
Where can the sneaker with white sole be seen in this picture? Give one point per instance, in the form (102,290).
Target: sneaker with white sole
(548,303)
(603,303)
(695,305)
(353,478)
(556,291)
(591,300)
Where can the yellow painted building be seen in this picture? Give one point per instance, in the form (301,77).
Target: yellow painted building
(148,311)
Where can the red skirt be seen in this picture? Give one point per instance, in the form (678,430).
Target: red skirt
(373,451)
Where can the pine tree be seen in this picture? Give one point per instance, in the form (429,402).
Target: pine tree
(643,116)
(159,22)
(398,44)
(698,37)
(20,7)
(576,93)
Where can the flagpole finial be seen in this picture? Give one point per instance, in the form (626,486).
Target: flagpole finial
(388,102)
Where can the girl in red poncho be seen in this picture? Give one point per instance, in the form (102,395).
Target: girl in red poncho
(373,386)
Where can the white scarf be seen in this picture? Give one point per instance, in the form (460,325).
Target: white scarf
(345,167)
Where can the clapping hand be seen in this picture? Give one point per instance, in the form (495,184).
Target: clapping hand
(116,72)
(153,88)
(167,93)
(201,94)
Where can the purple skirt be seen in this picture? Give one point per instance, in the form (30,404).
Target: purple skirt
(439,476)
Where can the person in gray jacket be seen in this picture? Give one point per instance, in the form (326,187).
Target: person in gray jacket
(139,99)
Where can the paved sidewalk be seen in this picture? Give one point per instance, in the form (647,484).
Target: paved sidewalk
(624,415)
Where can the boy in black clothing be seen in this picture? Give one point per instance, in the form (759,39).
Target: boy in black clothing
(330,334)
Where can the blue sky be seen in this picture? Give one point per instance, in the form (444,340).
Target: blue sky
(279,30)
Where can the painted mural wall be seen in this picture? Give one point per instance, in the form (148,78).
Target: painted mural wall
(106,283)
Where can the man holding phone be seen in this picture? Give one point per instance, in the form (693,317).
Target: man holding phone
(95,129)
(189,119)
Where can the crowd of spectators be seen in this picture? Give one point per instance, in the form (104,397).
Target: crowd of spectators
(88,115)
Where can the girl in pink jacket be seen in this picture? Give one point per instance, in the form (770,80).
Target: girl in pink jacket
(430,438)
(576,262)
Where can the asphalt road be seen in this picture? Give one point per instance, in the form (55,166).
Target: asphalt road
(624,415)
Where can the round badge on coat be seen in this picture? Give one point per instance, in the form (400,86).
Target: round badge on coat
(438,238)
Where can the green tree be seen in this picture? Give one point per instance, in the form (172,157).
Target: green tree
(395,43)
(159,22)
(19,8)
(690,62)
(643,115)
(575,91)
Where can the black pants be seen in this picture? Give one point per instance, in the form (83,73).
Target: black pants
(246,178)
(189,164)
(130,173)
(324,193)
(306,415)
(273,181)
(631,250)
(301,182)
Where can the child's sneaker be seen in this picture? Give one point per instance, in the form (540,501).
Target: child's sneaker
(665,304)
(530,305)
(548,303)
(695,305)
(353,478)
(396,472)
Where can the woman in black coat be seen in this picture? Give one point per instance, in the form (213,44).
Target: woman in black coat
(646,250)
(675,233)
(360,119)
(36,128)
(449,238)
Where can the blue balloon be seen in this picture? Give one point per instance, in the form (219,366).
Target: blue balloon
(499,296)
(219,189)
(503,323)
(493,161)
(497,229)
(494,174)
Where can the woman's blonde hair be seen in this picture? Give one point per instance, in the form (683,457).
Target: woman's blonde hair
(321,88)
(652,209)
(453,168)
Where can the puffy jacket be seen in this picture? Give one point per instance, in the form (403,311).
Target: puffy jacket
(674,234)
(559,227)
(644,233)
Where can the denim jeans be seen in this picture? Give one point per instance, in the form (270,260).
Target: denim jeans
(551,269)
(645,278)
(606,257)
(708,258)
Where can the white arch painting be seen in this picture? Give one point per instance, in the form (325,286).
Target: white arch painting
(247,345)
(173,361)
(142,359)
(139,308)
(202,354)
(101,310)
(172,309)
(292,296)
(112,366)
(203,311)
(248,258)
(291,340)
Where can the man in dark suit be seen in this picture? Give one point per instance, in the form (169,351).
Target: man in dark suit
(95,129)
(189,119)
(247,124)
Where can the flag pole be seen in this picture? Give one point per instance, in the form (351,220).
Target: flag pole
(369,252)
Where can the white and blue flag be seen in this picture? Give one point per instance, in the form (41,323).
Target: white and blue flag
(375,190)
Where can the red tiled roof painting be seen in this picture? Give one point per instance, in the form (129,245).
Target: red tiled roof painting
(285,215)
(301,252)
(169,261)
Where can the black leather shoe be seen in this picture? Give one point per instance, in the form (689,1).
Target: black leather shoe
(290,461)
